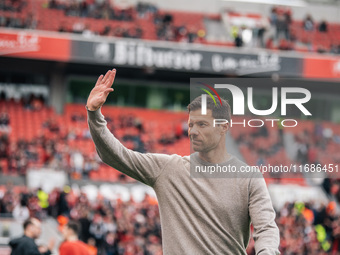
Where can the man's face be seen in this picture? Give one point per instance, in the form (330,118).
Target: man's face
(36,228)
(202,133)
(66,232)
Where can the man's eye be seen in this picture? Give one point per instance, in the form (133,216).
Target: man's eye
(202,124)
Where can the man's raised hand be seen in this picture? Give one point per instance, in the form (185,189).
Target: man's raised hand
(101,90)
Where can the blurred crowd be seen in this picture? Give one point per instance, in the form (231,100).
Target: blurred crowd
(109,227)
(98,9)
(308,146)
(309,143)
(15,7)
(107,10)
(306,228)
(118,227)
(283,34)
(71,148)
(280,32)
(29,22)
(12,5)
(167,31)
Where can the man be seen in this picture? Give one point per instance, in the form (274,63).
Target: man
(72,245)
(198,215)
(25,245)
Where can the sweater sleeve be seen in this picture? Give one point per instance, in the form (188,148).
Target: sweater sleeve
(142,167)
(266,233)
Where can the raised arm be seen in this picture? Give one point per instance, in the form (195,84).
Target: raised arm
(142,167)
(266,233)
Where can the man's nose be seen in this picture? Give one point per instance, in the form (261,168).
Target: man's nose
(193,131)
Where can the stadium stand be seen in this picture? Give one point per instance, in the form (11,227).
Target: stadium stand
(33,135)
(131,227)
(276,30)
(39,137)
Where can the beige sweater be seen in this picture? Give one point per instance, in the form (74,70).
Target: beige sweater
(199,216)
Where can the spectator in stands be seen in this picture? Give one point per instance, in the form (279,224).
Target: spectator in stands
(335,49)
(21,212)
(78,27)
(111,244)
(323,27)
(77,162)
(37,103)
(98,230)
(4,122)
(200,35)
(33,102)
(106,31)
(62,204)
(53,4)
(7,202)
(14,22)
(25,245)
(167,139)
(238,39)
(298,226)
(87,32)
(4,148)
(338,49)
(260,32)
(34,206)
(43,201)
(91,243)
(89,166)
(144,9)
(12,5)
(167,31)
(72,245)
(273,16)
(62,28)
(262,131)
(18,161)
(138,32)
(336,236)
(282,27)
(308,23)
(303,140)
(31,21)
(3,21)
(84,9)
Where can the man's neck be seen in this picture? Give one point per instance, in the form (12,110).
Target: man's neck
(28,235)
(72,238)
(215,156)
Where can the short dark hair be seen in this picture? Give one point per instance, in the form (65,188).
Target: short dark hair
(218,111)
(28,222)
(75,226)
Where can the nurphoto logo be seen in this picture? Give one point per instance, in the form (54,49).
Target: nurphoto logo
(238,106)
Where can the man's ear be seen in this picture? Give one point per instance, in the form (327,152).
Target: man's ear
(225,127)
